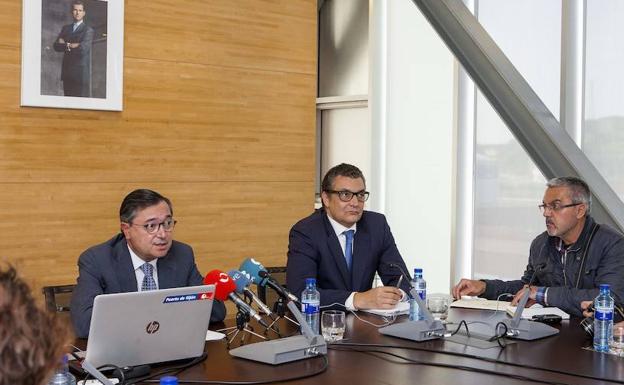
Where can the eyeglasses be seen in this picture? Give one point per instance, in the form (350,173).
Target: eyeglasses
(556,206)
(346,195)
(152,228)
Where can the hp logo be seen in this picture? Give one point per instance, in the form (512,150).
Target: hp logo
(152,327)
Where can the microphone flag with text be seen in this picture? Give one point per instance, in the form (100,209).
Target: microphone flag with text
(224,289)
(259,275)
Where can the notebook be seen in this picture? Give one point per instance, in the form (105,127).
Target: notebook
(400,308)
(129,329)
(537,309)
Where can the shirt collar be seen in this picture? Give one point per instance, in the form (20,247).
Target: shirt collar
(338,228)
(138,262)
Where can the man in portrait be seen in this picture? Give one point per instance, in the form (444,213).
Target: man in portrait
(75,42)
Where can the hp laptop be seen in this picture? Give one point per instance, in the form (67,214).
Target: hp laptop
(129,329)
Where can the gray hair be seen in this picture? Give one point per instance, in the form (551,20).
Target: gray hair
(579,190)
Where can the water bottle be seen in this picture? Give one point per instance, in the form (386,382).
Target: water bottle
(603,319)
(420,285)
(310,304)
(61,375)
(169,380)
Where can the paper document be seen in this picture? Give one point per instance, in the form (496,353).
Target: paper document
(214,336)
(481,304)
(400,308)
(538,309)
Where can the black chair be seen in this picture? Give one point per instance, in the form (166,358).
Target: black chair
(265,293)
(57,298)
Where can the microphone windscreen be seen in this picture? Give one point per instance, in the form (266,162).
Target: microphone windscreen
(223,284)
(253,268)
(240,280)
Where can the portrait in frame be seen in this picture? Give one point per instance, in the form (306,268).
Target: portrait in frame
(72,54)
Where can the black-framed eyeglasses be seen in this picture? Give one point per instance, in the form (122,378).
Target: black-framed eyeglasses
(153,227)
(556,206)
(346,195)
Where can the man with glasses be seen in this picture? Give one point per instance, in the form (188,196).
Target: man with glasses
(569,260)
(342,246)
(142,257)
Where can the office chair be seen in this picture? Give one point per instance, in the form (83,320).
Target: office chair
(57,297)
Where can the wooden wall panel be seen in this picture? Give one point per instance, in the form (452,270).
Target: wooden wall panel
(219,115)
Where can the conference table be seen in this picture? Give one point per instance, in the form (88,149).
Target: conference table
(379,359)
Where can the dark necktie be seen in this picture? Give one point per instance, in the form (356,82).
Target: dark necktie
(349,247)
(148,279)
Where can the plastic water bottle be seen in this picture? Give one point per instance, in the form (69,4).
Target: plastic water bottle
(311,304)
(169,380)
(61,375)
(418,283)
(603,319)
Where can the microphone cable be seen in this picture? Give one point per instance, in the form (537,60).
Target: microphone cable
(356,345)
(412,361)
(322,369)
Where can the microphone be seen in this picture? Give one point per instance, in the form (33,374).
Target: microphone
(224,289)
(242,282)
(261,277)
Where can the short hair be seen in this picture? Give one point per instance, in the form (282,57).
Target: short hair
(78,2)
(32,340)
(343,169)
(579,190)
(138,200)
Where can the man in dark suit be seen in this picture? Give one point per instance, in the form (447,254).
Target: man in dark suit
(75,42)
(143,257)
(342,246)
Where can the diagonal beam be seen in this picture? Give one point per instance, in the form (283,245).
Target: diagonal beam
(529,120)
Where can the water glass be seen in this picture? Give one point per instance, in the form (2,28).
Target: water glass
(438,305)
(333,325)
(616,346)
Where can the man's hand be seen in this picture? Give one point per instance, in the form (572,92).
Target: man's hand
(61,40)
(468,287)
(585,306)
(73,45)
(518,296)
(384,297)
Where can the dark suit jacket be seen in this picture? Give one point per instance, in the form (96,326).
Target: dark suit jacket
(76,69)
(107,268)
(314,252)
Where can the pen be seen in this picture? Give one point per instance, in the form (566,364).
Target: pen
(398,285)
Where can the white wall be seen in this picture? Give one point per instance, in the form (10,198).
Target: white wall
(411,100)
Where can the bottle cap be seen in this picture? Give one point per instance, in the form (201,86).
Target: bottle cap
(310,281)
(169,380)
(417,271)
(605,286)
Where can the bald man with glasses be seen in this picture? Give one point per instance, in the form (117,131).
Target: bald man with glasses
(569,260)
(142,257)
(343,246)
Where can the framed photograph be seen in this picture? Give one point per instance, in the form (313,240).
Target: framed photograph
(72,54)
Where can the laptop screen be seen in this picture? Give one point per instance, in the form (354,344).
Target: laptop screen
(129,329)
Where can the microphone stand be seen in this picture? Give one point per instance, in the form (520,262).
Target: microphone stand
(242,324)
(298,347)
(422,330)
(279,308)
(523,329)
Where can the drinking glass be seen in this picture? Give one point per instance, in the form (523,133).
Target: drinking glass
(438,305)
(333,325)
(616,346)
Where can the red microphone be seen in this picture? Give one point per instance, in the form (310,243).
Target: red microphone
(224,289)
(223,284)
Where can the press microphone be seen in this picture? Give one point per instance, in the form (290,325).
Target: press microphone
(224,289)
(261,277)
(242,282)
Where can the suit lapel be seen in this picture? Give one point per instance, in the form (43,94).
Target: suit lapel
(361,254)
(166,272)
(124,268)
(336,250)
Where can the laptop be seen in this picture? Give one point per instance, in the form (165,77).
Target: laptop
(129,329)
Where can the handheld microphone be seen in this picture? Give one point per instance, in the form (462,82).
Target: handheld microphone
(261,277)
(224,289)
(242,282)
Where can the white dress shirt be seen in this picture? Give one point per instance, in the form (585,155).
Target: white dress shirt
(137,263)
